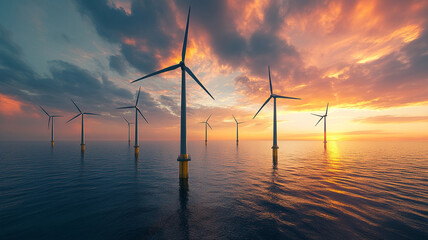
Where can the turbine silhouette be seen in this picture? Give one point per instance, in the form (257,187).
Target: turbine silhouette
(137,111)
(129,129)
(237,125)
(82,139)
(206,124)
(52,126)
(325,122)
(183,134)
(274,96)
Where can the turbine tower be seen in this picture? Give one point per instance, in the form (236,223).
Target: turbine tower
(52,127)
(237,125)
(206,124)
(325,124)
(129,129)
(137,111)
(183,158)
(82,139)
(274,96)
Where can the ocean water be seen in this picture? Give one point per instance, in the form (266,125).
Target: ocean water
(350,190)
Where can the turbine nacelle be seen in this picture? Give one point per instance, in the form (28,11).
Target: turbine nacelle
(80,112)
(236,120)
(272,95)
(321,116)
(50,116)
(135,107)
(206,122)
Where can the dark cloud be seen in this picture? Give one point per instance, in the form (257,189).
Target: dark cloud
(155,34)
(93,92)
(171,104)
(64,81)
(118,64)
(155,30)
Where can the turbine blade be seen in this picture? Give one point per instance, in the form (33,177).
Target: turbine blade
(160,71)
(76,105)
(87,113)
(125,119)
(202,122)
(209,117)
(278,96)
(209,126)
(138,96)
(234,118)
(183,53)
(49,121)
(197,81)
(74,117)
(44,111)
(270,81)
(326,110)
(316,115)
(241,122)
(319,121)
(126,107)
(262,106)
(142,115)
(56,116)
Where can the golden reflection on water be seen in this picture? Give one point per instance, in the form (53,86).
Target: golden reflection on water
(332,156)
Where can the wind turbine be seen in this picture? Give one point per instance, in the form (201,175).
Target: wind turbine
(129,129)
(206,124)
(325,124)
(82,140)
(137,110)
(49,121)
(274,96)
(183,157)
(237,125)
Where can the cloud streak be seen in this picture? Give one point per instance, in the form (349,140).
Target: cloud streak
(391,119)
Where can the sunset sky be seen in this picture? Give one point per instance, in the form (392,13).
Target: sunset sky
(368,59)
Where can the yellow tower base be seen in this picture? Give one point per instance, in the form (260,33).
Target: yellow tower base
(52,143)
(275,152)
(82,147)
(137,149)
(183,171)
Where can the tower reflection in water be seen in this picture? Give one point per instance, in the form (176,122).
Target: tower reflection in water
(183,211)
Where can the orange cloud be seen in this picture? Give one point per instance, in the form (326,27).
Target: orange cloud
(121,4)
(392,119)
(129,41)
(9,106)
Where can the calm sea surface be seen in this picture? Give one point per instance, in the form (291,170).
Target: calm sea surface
(351,190)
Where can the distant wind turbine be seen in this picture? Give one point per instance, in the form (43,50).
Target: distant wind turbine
(274,96)
(183,136)
(206,124)
(137,110)
(49,121)
(82,141)
(237,125)
(325,124)
(129,129)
